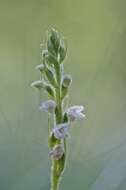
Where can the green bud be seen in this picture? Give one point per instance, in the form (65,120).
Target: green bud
(42,84)
(38,84)
(50,59)
(53,42)
(62,52)
(64,91)
(67,80)
(40,67)
(50,76)
(49,90)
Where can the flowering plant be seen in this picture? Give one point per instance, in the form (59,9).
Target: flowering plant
(56,84)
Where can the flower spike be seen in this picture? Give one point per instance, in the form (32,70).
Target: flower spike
(57,85)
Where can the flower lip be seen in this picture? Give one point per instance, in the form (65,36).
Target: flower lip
(60,131)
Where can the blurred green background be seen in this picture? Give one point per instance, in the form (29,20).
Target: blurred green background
(96,34)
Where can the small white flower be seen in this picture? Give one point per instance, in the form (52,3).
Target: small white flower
(75,112)
(57,152)
(60,131)
(48,106)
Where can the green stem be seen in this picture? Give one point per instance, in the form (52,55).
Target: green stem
(49,130)
(64,141)
(54,176)
(57,165)
(58,96)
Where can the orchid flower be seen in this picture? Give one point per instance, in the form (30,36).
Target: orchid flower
(48,106)
(75,113)
(61,131)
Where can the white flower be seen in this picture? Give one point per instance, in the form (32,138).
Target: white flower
(75,112)
(60,131)
(48,106)
(57,152)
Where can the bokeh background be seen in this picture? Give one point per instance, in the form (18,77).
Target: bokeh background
(96,35)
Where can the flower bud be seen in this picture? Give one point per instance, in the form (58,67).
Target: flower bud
(43,84)
(48,106)
(57,152)
(67,80)
(50,59)
(62,51)
(53,42)
(49,89)
(40,67)
(64,92)
(50,76)
(38,84)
